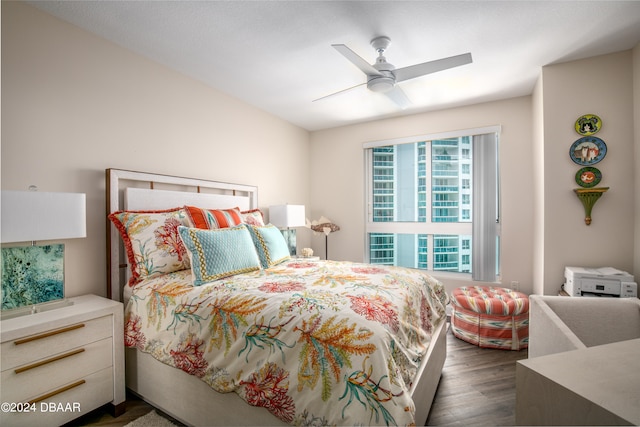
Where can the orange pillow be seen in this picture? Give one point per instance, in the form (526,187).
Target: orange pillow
(211,219)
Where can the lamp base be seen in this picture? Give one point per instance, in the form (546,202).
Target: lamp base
(290,238)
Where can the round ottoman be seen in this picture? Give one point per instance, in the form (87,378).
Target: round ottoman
(491,317)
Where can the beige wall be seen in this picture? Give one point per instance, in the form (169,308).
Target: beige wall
(601,86)
(636,162)
(337,174)
(74,104)
(537,181)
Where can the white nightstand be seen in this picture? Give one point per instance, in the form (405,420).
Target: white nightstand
(58,365)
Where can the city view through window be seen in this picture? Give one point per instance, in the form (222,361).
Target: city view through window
(420,204)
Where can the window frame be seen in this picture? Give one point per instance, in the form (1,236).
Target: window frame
(428,228)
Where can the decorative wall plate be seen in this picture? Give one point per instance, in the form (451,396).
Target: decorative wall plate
(588,150)
(588,177)
(588,124)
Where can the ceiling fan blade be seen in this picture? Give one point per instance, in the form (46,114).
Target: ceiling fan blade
(418,70)
(398,96)
(356,60)
(339,92)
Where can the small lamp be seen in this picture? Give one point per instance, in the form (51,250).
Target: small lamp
(324,225)
(35,274)
(286,217)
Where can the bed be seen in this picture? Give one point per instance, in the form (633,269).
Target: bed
(271,340)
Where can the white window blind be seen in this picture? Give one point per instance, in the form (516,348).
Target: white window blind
(485,207)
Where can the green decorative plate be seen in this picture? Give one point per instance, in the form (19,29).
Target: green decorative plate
(588,177)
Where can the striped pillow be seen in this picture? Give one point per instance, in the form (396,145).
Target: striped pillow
(211,219)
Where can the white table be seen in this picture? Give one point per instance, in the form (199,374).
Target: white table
(594,386)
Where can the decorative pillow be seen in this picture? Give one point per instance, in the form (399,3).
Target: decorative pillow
(152,242)
(219,253)
(211,219)
(270,243)
(253,217)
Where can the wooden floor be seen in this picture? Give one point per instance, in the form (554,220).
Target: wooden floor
(477,388)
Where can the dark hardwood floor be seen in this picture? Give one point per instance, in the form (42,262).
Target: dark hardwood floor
(477,388)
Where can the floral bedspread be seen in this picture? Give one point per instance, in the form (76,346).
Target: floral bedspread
(315,343)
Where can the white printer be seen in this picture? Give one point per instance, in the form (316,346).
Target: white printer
(605,281)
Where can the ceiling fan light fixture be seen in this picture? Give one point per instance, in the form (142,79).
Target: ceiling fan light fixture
(383,76)
(381,84)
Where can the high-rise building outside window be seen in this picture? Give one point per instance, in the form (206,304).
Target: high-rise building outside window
(430,200)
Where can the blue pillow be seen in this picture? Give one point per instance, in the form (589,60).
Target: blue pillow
(219,253)
(270,243)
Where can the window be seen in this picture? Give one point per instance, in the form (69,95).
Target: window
(432,203)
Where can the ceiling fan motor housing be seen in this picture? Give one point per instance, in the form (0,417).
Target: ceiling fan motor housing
(381,83)
(384,82)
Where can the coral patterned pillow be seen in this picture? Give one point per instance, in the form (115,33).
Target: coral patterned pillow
(152,242)
(211,219)
(253,217)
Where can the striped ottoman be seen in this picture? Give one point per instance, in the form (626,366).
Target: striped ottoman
(491,317)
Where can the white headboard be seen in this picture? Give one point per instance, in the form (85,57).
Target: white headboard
(129,190)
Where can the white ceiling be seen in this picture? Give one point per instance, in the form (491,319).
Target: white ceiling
(277,55)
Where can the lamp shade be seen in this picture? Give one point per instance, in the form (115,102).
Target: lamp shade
(34,215)
(285,216)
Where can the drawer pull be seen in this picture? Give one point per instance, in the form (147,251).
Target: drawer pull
(54,392)
(49,334)
(52,359)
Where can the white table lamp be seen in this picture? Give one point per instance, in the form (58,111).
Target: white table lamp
(34,275)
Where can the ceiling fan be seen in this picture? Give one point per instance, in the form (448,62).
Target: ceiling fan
(383,77)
